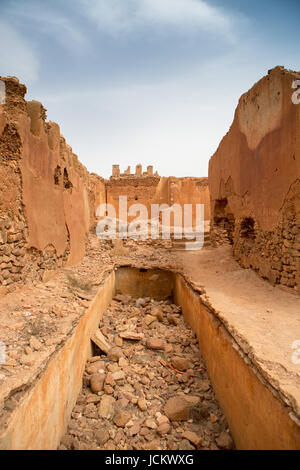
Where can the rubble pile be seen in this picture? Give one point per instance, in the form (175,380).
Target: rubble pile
(149,389)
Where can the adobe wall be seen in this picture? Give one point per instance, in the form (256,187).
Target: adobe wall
(254,181)
(139,190)
(190,190)
(148,189)
(47,196)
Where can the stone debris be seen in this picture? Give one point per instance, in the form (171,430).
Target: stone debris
(155,343)
(181,363)
(99,339)
(178,409)
(97,382)
(131,335)
(133,399)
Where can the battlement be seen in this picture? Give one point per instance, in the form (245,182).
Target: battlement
(138,172)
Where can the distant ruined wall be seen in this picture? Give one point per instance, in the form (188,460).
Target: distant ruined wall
(47,196)
(139,190)
(190,191)
(147,190)
(254,181)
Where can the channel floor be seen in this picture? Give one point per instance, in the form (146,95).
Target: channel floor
(151,390)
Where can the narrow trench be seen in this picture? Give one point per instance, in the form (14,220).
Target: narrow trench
(151,392)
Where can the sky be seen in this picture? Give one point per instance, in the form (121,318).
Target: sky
(154,82)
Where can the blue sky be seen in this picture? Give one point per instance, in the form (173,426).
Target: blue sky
(145,81)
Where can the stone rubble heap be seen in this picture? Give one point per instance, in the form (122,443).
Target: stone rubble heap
(150,390)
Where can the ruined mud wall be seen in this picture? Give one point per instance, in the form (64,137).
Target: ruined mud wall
(148,190)
(139,190)
(190,191)
(254,181)
(47,197)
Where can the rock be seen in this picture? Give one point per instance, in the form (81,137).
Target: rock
(95,359)
(108,390)
(113,367)
(121,418)
(163,428)
(122,403)
(11,363)
(162,419)
(155,343)
(149,319)
(152,445)
(157,312)
(110,380)
(177,409)
(92,399)
(224,441)
(123,362)
(150,423)
(142,404)
(28,350)
(97,382)
(118,375)
(204,385)
(35,343)
(28,360)
(135,429)
(172,319)
(185,445)
(145,380)
(118,341)
(95,367)
(99,339)
(181,363)
(67,441)
(168,348)
(194,438)
(106,407)
(140,302)
(199,412)
(132,335)
(115,353)
(90,411)
(102,436)
(124,299)
(193,400)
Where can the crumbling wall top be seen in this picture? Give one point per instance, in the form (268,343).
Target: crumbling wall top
(138,172)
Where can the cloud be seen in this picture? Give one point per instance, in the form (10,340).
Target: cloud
(125,16)
(17,58)
(51,22)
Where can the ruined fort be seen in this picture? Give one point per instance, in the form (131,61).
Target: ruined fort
(143,344)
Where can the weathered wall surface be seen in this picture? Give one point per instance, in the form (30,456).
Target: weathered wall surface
(47,197)
(139,190)
(148,190)
(190,191)
(254,181)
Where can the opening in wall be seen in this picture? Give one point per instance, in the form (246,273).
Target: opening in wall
(57,175)
(224,219)
(247,228)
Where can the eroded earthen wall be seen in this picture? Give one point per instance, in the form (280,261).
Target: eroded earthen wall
(148,190)
(254,181)
(47,197)
(190,191)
